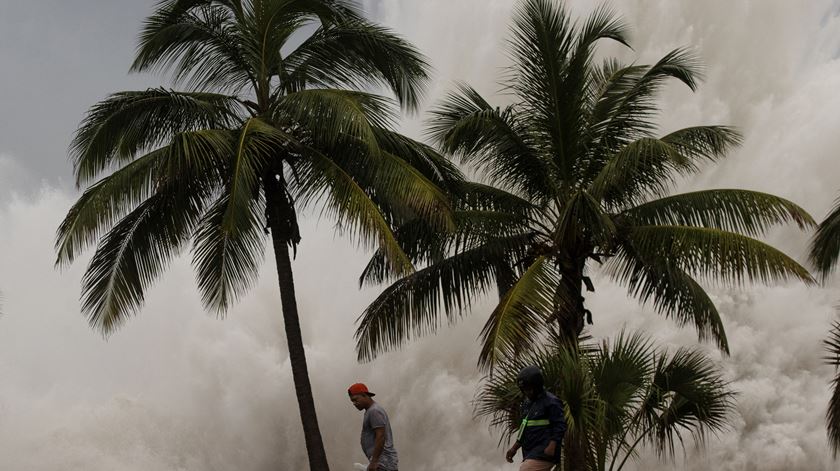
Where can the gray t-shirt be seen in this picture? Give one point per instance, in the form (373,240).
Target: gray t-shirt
(375,417)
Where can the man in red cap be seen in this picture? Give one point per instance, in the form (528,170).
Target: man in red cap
(377,439)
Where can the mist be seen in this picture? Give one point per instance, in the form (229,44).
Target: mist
(178,389)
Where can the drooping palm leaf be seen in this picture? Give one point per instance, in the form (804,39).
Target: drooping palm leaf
(126,123)
(230,241)
(414,305)
(671,291)
(717,255)
(521,316)
(825,248)
(747,212)
(134,253)
(832,417)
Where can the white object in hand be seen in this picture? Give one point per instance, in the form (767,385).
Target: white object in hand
(359,467)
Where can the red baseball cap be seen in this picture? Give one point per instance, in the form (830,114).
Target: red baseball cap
(359,388)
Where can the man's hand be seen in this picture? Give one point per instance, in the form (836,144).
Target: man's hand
(511,453)
(373,466)
(551,448)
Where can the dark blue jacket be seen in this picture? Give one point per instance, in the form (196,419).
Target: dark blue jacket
(547,412)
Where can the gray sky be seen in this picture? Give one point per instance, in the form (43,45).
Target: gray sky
(178,389)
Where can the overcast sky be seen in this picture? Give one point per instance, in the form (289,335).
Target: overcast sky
(177,389)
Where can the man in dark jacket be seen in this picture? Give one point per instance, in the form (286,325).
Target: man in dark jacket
(543,424)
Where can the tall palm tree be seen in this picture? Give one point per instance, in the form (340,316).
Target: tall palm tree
(825,251)
(576,175)
(619,397)
(273,120)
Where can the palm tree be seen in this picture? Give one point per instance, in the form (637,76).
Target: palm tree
(825,251)
(575,175)
(619,397)
(272,121)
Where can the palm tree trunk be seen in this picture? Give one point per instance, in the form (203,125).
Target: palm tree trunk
(574,453)
(281,222)
(571,320)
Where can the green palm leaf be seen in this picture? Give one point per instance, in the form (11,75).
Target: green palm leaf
(104,203)
(434,166)
(199,41)
(353,209)
(649,167)
(337,118)
(116,129)
(688,396)
(832,417)
(465,124)
(584,211)
(521,315)
(426,244)
(747,212)
(196,156)
(716,254)
(671,290)
(360,55)
(825,247)
(625,105)
(620,372)
(132,255)
(413,305)
(230,240)
(409,192)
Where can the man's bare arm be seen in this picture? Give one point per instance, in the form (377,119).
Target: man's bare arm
(378,445)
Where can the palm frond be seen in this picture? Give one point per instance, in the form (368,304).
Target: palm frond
(351,207)
(689,395)
(649,167)
(543,41)
(425,243)
(625,107)
(132,255)
(337,119)
(117,129)
(195,156)
(478,196)
(428,161)
(582,212)
(704,143)
(400,188)
(603,23)
(747,212)
(465,124)
(104,203)
(358,55)
(832,416)
(230,241)
(621,371)
(716,254)
(201,42)
(413,305)
(671,290)
(521,315)
(825,247)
